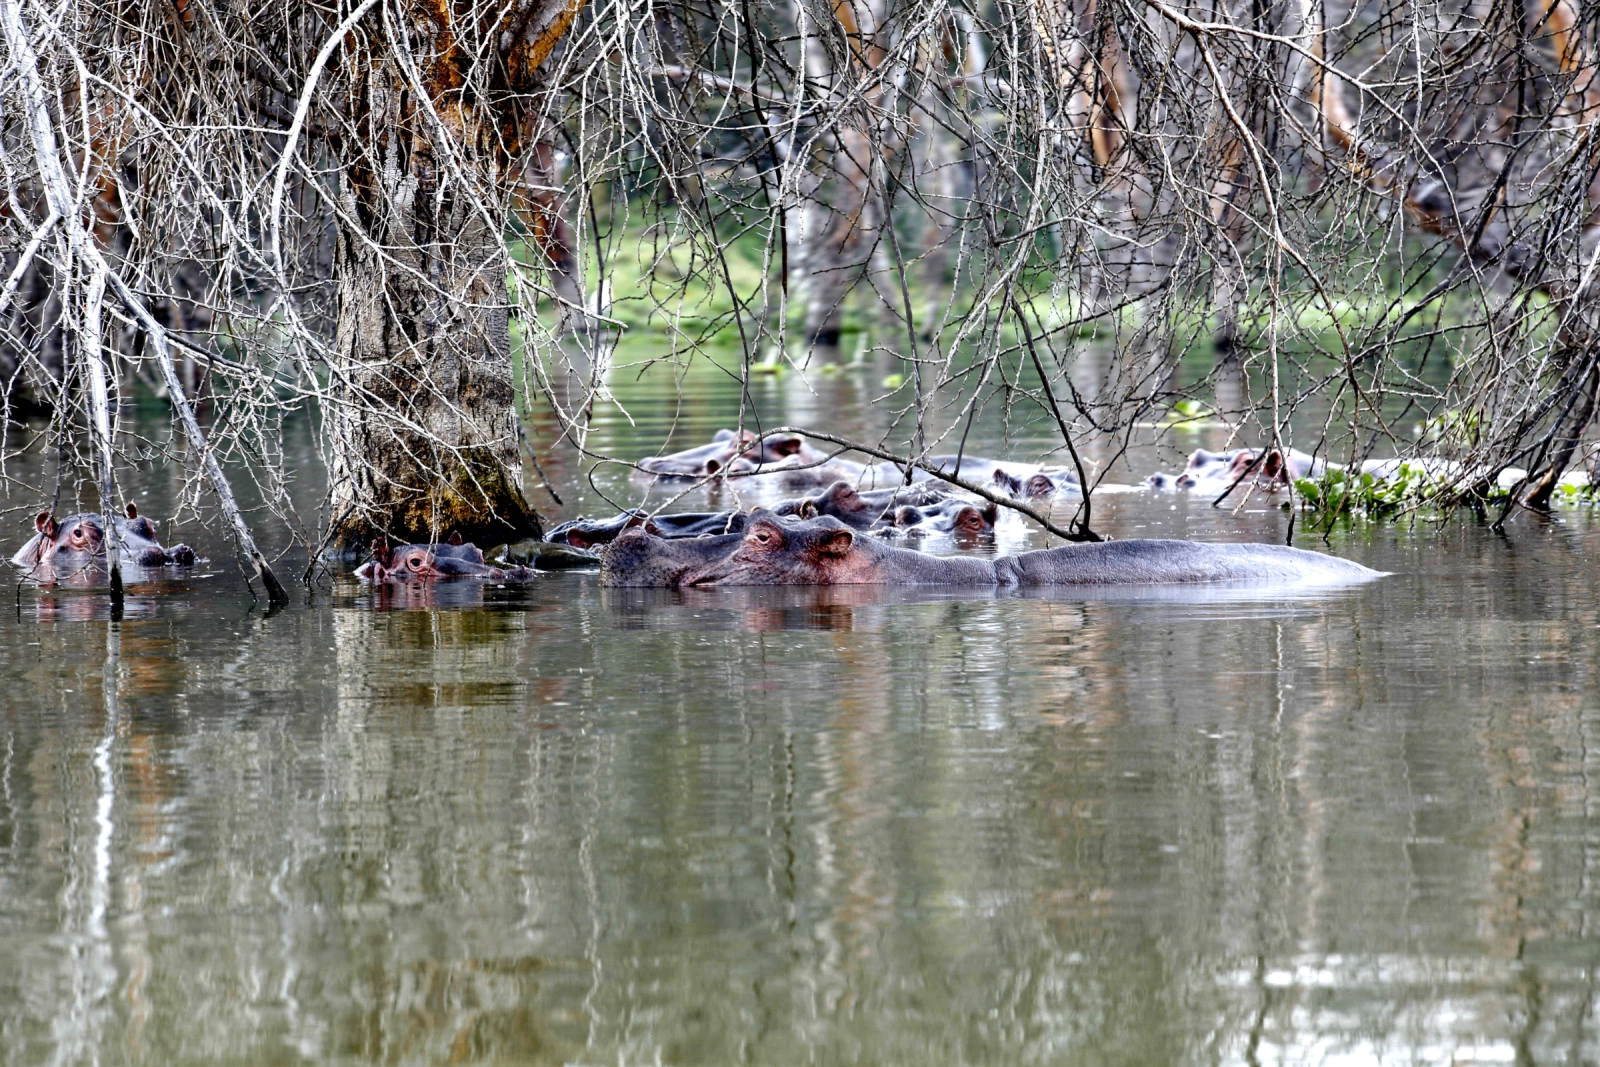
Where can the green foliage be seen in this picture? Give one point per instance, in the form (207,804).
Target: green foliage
(1338,492)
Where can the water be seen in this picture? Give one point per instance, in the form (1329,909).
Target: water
(574,825)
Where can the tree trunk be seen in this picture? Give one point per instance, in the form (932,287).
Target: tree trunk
(423,437)
(423,430)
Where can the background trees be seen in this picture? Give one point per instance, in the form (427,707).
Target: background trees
(387,207)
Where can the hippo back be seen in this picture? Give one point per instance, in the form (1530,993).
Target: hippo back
(1151,562)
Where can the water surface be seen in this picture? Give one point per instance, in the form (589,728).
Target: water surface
(574,825)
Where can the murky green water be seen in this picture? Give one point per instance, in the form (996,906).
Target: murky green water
(573,825)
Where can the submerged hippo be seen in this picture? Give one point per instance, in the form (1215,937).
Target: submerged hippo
(1217,471)
(61,548)
(928,506)
(824,551)
(589,533)
(964,521)
(868,509)
(736,453)
(424,563)
(1037,486)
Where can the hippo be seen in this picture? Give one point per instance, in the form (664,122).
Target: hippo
(869,508)
(824,551)
(76,544)
(858,510)
(797,465)
(638,559)
(588,533)
(426,563)
(1036,486)
(965,521)
(1216,471)
(737,453)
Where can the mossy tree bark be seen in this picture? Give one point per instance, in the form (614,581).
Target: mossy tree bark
(423,428)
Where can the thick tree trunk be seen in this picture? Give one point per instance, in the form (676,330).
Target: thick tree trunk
(424,432)
(423,436)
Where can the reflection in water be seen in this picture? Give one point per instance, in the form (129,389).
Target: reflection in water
(574,825)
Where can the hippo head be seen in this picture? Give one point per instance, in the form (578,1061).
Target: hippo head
(1007,483)
(1039,486)
(76,541)
(589,533)
(641,558)
(1033,487)
(1206,464)
(789,449)
(968,521)
(724,452)
(1267,468)
(845,504)
(823,551)
(773,449)
(423,563)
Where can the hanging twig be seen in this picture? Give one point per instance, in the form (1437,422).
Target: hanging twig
(97,275)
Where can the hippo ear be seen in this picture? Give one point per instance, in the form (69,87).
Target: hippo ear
(133,510)
(43,523)
(651,528)
(455,537)
(380,550)
(785,446)
(1272,466)
(722,435)
(990,512)
(808,509)
(835,544)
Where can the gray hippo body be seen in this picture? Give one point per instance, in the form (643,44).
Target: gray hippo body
(824,551)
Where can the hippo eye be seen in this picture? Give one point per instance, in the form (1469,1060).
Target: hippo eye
(415,563)
(762,536)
